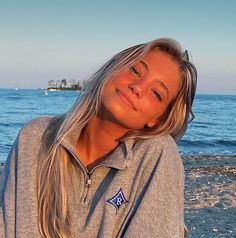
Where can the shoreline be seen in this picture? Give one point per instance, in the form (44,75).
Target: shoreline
(210,195)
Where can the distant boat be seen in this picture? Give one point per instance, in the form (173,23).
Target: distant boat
(16,88)
(52,89)
(45,92)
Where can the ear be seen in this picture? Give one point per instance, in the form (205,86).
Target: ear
(152,123)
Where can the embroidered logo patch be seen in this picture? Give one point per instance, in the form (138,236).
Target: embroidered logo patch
(118,200)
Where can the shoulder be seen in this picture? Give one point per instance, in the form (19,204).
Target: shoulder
(30,136)
(37,125)
(164,163)
(28,143)
(159,143)
(161,148)
(35,128)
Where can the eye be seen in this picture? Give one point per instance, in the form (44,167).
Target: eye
(157,94)
(135,71)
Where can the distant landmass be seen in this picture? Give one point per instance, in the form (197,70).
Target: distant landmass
(64,88)
(70,85)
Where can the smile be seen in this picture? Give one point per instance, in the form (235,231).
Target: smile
(126,99)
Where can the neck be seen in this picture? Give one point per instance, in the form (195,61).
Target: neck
(97,140)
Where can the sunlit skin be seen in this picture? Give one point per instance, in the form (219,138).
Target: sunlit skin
(135,98)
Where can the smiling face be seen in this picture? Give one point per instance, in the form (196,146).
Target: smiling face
(138,96)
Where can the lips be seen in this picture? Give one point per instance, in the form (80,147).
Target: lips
(126,99)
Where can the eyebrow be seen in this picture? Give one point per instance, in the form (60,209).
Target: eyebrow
(159,81)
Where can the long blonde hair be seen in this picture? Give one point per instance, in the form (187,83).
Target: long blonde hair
(54,164)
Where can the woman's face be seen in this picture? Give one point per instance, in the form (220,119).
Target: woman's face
(138,96)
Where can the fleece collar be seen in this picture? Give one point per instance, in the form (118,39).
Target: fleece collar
(120,158)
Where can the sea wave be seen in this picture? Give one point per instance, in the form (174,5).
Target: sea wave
(207,143)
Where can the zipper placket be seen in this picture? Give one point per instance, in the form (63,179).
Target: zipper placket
(87,186)
(87,175)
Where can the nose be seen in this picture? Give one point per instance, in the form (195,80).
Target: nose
(138,89)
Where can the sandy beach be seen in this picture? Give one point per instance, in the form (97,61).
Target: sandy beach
(210,196)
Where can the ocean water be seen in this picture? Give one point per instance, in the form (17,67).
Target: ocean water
(212,132)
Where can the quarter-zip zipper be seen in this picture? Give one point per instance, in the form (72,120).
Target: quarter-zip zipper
(87,174)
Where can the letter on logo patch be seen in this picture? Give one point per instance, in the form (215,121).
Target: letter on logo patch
(118,200)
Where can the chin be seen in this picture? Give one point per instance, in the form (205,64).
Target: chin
(119,118)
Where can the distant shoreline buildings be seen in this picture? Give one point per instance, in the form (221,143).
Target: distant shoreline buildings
(64,84)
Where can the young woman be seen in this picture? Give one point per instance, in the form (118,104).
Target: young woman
(110,166)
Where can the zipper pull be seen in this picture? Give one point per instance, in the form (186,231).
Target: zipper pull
(88,181)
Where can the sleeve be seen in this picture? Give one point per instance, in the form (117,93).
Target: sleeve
(18,189)
(159,211)
(7,194)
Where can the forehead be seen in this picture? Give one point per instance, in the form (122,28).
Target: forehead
(163,68)
(161,59)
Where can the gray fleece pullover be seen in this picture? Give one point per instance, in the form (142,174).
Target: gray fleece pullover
(136,192)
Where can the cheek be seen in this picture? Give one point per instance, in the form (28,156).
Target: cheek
(122,78)
(153,109)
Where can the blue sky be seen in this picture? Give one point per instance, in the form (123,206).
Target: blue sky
(50,40)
